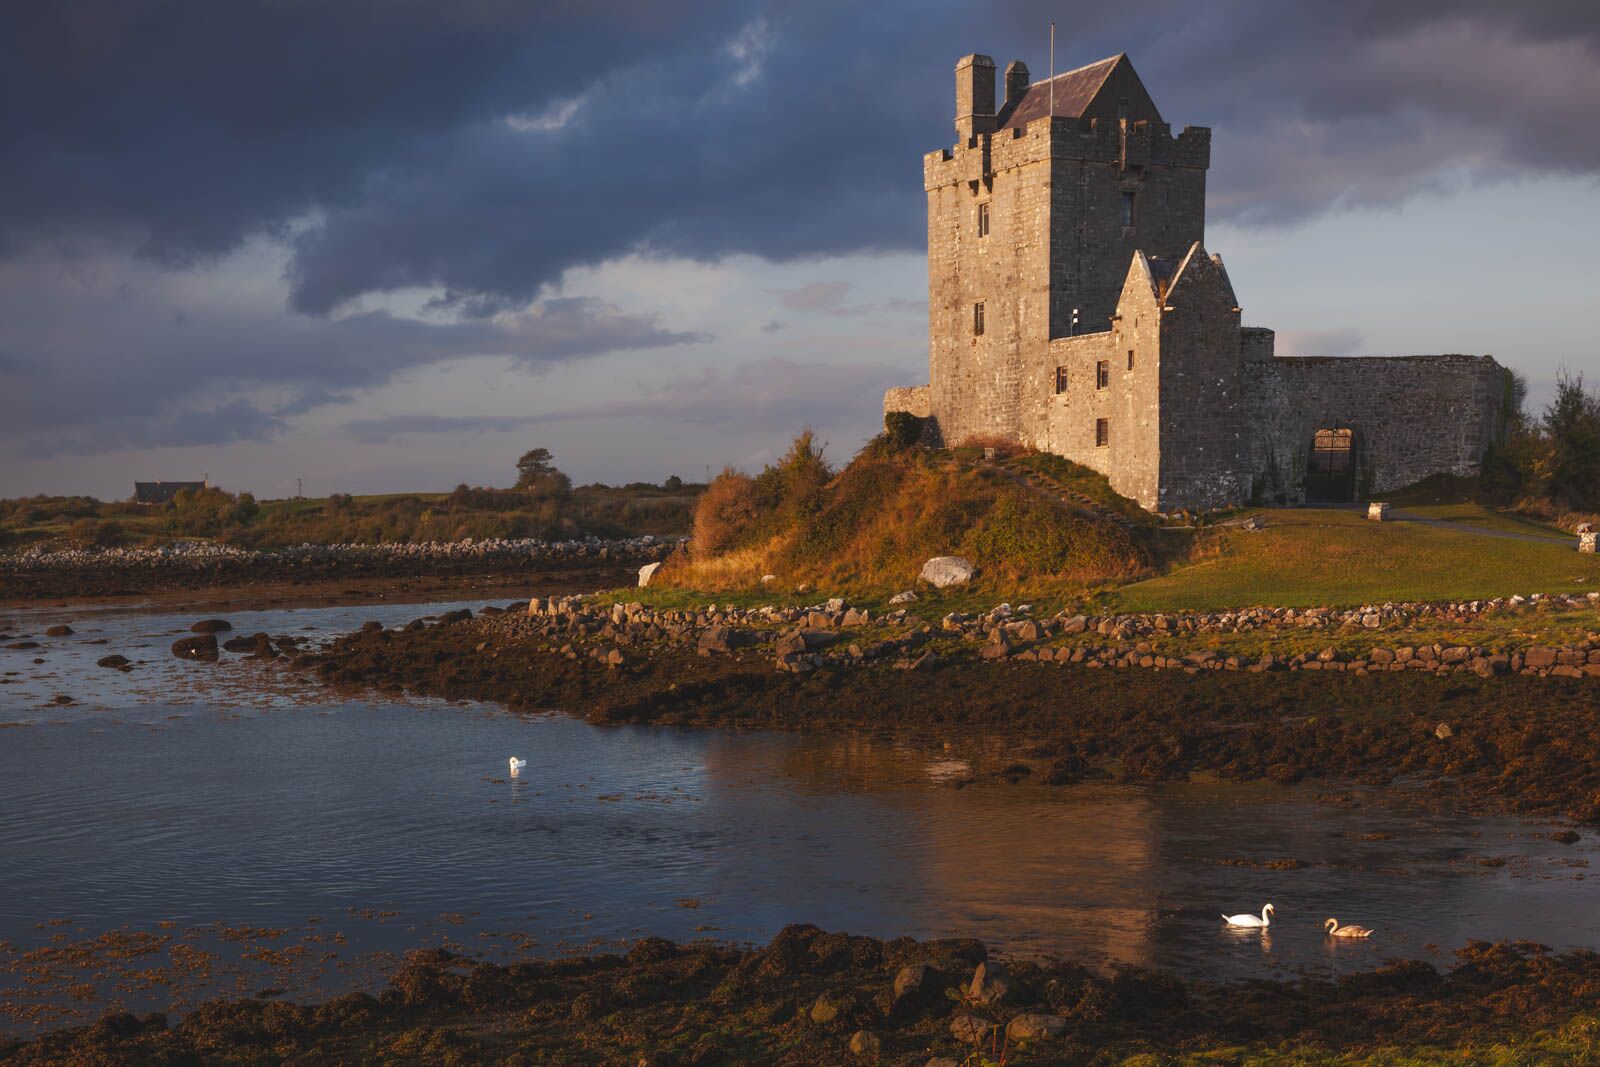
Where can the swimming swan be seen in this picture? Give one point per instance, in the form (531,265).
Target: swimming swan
(1335,930)
(1250,920)
(517,764)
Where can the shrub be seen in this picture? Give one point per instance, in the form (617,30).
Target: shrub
(725,511)
(901,429)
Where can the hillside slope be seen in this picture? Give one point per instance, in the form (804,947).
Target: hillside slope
(876,522)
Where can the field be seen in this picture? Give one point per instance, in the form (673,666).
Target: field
(1330,557)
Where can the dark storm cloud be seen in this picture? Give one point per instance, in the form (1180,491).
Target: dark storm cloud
(480,149)
(485,147)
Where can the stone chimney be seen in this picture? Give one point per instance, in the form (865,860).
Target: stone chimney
(1016,79)
(974,96)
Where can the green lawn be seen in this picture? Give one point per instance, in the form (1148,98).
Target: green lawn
(1308,557)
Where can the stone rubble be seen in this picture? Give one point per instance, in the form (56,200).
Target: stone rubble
(801,639)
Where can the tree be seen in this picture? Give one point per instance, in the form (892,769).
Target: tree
(1572,429)
(533,467)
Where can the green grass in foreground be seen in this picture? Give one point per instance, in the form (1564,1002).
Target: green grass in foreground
(1310,557)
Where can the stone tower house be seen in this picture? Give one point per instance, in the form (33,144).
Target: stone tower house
(1072,308)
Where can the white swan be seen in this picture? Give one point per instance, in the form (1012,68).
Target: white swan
(517,765)
(1335,930)
(1250,920)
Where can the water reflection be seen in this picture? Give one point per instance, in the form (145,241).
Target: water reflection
(160,808)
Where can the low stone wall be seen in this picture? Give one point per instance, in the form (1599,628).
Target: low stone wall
(803,639)
(188,556)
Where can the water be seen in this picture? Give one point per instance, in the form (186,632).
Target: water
(237,816)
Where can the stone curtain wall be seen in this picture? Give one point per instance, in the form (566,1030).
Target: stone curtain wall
(1413,416)
(913,400)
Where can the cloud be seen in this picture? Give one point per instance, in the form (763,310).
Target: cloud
(813,296)
(226,372)
(752,396)
(484,148)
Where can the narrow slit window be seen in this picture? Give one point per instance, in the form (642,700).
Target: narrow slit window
(977,319)
(1122,108)
(1127,209)
(1130,359)
(1102,374)
(1102,432)
(1061,380)
(983,219)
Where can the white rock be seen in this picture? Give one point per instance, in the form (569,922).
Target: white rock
(903,598)
(942,571)
(647,572)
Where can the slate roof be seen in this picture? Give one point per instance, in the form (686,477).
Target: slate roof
(1075,90)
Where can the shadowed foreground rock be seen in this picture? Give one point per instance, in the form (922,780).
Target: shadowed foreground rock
(812,997)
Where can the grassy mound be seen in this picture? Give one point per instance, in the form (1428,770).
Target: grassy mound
(872,525)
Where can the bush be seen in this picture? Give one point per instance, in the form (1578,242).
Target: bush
(902,430)
(725,511)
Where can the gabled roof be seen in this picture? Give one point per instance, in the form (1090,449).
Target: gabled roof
(1075,91)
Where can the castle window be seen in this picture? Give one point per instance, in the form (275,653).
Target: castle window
(1061,380)
(1130,359)
(1102,432)
(977,319)
(1102,374)
(1127,209)
(983,219)
(1122,108)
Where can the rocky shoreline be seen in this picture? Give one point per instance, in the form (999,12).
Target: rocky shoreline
(812,997)
(1527,742)
(40,573)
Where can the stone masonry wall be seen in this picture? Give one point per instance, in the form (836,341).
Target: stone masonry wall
(913,400)
(1130,402)
(1090,247)
(1201,405)
(975,382)
(1413,416)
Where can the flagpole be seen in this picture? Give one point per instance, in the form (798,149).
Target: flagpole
(1052,72)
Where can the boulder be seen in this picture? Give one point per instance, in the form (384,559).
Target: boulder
(59,631)
(970,1029)
(211,626)
(714,639)
(866,1045)
(647,572)
(202,647)
(825,1010)
(112,661)
(943,571)
(903,598)
(1035,1027)
(991,983)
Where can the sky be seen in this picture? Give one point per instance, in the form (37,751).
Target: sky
(378,247)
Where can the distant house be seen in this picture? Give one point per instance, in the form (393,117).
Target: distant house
(162,492)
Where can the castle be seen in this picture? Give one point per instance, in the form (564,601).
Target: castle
(1073,308)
